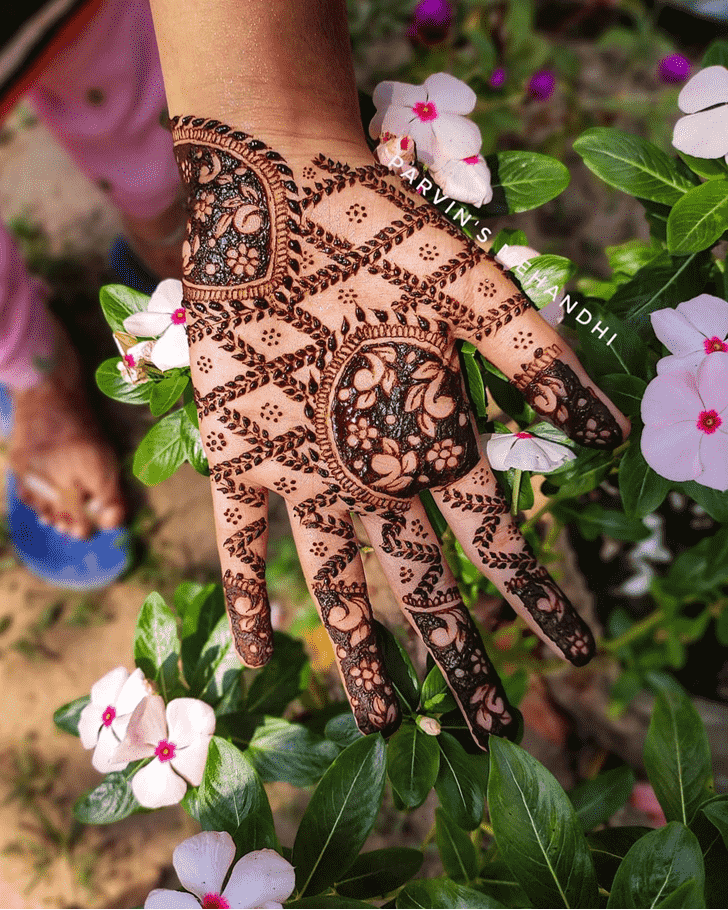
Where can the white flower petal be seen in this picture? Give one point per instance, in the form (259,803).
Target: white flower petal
(712,382)
(188,719)
(104,757)
(132,692)
(464,181)
(714,460)
(202,861)
(270,905)
(146,727)
(167,297)
(156,785)
(89,724)
(398,94)
(553,312)
(669,399)
(106,690)
(147,325)
(677,332)
(511,256)
(457,137)
(672,451)
(164,899)
(259,878)
(172,349)
(674,363)
(498,449)
(551,455)
(450,94)
(190,761)
(708,314)
(703,135)
(706,88)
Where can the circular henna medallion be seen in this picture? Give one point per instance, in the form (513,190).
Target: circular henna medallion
(398,422)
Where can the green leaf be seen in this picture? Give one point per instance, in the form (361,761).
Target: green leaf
(596,801)
(67,717)
(200,615)
(442,892)
(632,164)
(716,55)
(717,812)
(580,476)
(461,782)
(699,218)
(609,847)
(593,520)
(400,669)
(689,894)
(192,440)
(677,756)
(625,391)
(281,680)
(457,851)
(714,502)
(663,283)
(111,801)
(118,301)
(167,392)
(218,670)
(508,237)
(231,798)
(657,864)
(161,451)
(436,696)
(328,900)
(340,816)
(701,569)
(108,379)
(537,831)
(523,181)
(280,750)
(619,350)
(413,760)
(343,730)
(156,644)
(545,277)
(380,871)
(642,489)
(629,257)
(474,379)
(705,167)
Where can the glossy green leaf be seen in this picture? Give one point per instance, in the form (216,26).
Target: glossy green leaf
(340,816)
(200,614)
(689,894)
(442,892)
(545,277)
(118,301)
(457,851)
(510,237)
(537,831)
(167,392)
(380,871)
(642,489)
(400,669)
(192,440)
(281,680)
(580,476)
(436,696)
(343,730)
(593,520)
(413,760)
(631,164)
(218,670)
(702,568)
(625,391)
(716,55)
(156,644)
(665,282)
(677,756)
(161,451)
(596,801)
(497,881)
(657,865)
(474,379)
(698,220)
(606,342)
(280,750)
(523,181)
(66,718)
(716,811)
(714,502)
(629,257)
(111,801)
(232,798)
(609,847)
(108,379)
(462,781)
(705,167)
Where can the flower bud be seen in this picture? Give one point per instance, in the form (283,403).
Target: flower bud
(431,21)
(396,152)
(674,69)
(429,725)
(542,84)
(497,78)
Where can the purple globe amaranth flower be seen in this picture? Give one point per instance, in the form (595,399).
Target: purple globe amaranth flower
(431,21)
(497,78)
(675,68)
(542,85)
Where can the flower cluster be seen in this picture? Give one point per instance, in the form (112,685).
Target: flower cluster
(685,407)
(433,117)
(164,322)
(125,721)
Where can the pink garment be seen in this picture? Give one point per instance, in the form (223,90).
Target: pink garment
(103,98)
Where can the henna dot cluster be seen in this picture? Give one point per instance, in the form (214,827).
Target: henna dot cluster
(215,442)
(522,341)
(428,252)
(271,337)
(319,549)
(486,288)
(286,486)
(308,172)
(271,412)
(204,364)
(347,295)
(356,213)
(406,575)
(233,516)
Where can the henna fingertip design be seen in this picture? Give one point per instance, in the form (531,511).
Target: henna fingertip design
(249,613)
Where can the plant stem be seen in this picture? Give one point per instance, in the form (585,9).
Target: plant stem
(636,631)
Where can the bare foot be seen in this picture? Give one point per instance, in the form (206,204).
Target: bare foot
(66,472)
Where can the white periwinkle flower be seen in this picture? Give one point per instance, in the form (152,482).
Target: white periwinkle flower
(261,879)
(526,452)
(431,114)
(704,132)
(178,740)
(691,332)
(464,179)
(396,152)
(103,722)
(164,319)
(135,355)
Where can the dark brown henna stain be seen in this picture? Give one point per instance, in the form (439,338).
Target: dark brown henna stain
(555,391)
(247,605)
(347,617)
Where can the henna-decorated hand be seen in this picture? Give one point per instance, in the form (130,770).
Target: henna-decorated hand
(324,300)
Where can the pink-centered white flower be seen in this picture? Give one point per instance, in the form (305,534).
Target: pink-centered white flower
(396,152)
(692,331)
(526,452)
(686,423)
(704,132)
(164,319)
(103,722)
(134,358)
(432,114)
(464,179)
(177,740)
(261,879)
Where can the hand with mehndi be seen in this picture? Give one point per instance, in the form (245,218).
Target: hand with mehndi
(324,299)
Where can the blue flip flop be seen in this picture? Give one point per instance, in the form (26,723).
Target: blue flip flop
(58,558)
